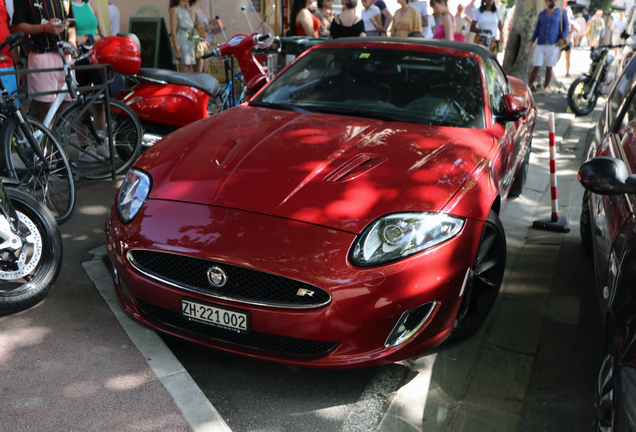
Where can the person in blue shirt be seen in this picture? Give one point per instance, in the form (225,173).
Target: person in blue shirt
(551,30)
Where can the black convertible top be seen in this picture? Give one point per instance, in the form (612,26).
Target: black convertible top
(462,46)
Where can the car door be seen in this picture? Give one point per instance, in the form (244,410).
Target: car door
(609,212)
(504,133)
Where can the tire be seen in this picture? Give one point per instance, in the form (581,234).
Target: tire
(522,175)
(223,100)
(576,101)
(54,187)
(72,128)
(28,285)
(610,415)
(484,281)
(218,104)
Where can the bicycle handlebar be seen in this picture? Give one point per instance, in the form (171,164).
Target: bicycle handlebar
(12,40)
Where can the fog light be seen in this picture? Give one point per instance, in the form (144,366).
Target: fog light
(409,323)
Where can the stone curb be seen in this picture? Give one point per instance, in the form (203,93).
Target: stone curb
(191,401)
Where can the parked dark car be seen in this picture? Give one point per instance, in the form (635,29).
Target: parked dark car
(608,231)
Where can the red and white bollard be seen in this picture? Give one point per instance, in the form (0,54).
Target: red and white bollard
(556,222)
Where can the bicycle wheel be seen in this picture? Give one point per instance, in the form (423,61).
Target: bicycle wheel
(53,185)
(223,100)
(76,128)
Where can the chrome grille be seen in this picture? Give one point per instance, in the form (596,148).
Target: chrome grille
(243,284)
(257,340)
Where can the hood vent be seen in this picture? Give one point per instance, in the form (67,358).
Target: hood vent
(354,168)
(224,152)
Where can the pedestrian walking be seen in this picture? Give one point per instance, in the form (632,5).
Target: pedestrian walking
(595,26)
(617,29)
(303,22)
(606,34)
(9,57)
(462,23)
(446,28)
(550,32)
(568,50)
(347,23)
(387,16)
(422,8)
(181,24)
(469,10)
(325,14)
(405,20)
(371,16)
(581,30)
(487,21)
(46,22)
(114,16)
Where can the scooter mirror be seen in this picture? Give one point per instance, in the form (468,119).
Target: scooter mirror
(216,26)
(269,11)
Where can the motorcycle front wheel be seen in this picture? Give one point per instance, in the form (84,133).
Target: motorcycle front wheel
(25,279)
(578,101)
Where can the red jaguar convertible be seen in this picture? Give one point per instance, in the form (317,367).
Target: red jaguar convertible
(346,216)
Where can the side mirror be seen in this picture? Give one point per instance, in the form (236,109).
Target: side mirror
(269,10)
(606,176)
(514,108)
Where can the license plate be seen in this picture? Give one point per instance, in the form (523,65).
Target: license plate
(217,316)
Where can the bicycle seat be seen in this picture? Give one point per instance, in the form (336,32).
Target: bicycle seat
(201,81)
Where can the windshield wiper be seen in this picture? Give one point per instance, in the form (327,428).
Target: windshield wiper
(278,105)
(374,114)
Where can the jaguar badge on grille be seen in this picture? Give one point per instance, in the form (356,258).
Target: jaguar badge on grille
(216,276)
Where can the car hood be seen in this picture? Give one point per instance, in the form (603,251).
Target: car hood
(337,171)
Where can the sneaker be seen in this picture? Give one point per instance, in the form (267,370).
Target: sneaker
(88,153)
(102,149)
(567,75)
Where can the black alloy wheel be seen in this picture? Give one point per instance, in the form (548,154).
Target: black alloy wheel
(578,99)
(484,280)
(610,416)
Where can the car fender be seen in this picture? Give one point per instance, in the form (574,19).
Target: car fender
(478,194)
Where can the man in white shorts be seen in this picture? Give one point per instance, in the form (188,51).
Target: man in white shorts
(551,29)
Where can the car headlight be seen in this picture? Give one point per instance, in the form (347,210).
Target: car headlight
(132,194)
(399,235)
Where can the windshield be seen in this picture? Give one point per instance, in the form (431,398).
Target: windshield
(387,84)
(234,22)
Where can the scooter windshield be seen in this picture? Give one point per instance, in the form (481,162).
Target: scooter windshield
(234,19)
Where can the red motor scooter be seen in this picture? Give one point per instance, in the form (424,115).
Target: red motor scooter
(165,100)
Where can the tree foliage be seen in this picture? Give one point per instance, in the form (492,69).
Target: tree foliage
(604,5)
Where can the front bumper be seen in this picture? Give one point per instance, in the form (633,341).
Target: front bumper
(348,331)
